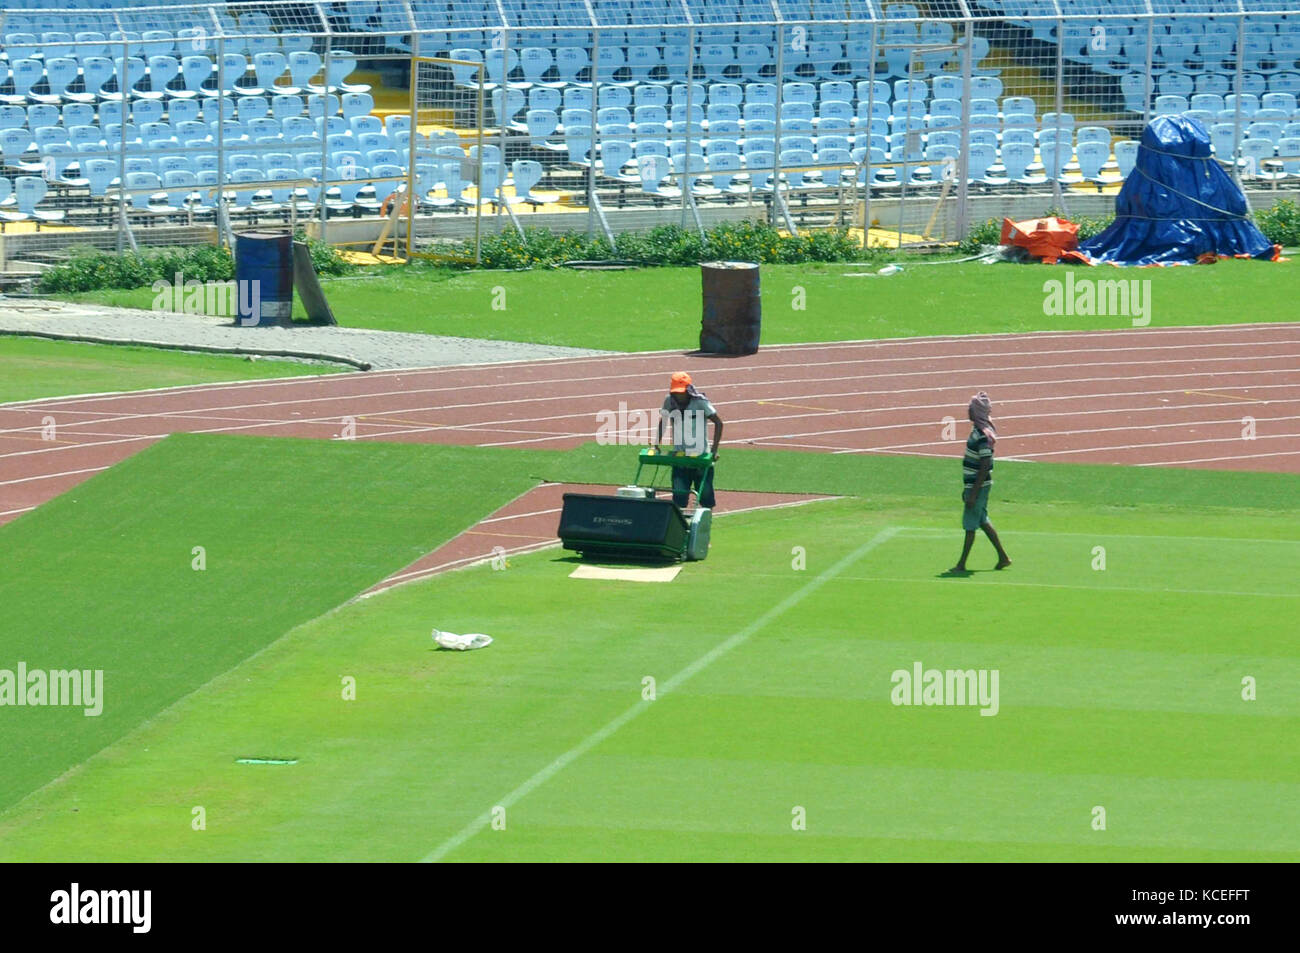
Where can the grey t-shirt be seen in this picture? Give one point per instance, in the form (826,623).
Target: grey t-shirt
(689,424)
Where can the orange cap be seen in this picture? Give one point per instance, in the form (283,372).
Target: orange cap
(680,381)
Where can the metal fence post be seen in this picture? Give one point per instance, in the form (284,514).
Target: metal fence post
(684,181)
(1238,90)
(503,119)
(592,149)
(324,134)
(220,214)
(1057,198)
(412,199)
(124,84)
(1148,81)
(871,118)
(963,156)
(772,213)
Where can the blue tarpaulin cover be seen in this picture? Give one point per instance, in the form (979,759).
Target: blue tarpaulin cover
(1177,204)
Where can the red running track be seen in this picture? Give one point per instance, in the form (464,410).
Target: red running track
(1145,396)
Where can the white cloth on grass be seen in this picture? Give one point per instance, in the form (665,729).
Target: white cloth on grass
(461,643)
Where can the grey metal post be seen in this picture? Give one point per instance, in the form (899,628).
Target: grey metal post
(412,199)
(592,151)
(871,117)
(1148,81)
(690,90)
(776,139)
(907,152)
(1236,121)
(1057,198)
(220,213)
(124,88)
(963,156)
(324,135)
(504,119)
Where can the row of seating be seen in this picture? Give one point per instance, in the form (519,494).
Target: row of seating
(348,107)
(816,60)
(550,96)
(165,76)
(183,192)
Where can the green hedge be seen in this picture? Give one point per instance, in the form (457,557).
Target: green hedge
(89,269)
(670,245)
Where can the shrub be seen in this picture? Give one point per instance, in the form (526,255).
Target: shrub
(1281,223)
(985,233)
(670,245)
(325,258)
(537,246)
(89,269)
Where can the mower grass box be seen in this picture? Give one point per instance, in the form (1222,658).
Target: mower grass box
(632,524)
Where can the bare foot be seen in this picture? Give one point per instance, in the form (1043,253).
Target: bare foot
(1003,564)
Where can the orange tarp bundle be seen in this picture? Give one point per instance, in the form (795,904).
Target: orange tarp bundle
(1047,238)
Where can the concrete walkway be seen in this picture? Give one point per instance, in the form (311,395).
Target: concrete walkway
(380,350)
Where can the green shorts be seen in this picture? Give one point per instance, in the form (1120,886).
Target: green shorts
(973,517)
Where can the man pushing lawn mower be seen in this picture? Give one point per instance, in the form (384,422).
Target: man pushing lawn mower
(977,478)
(688,410)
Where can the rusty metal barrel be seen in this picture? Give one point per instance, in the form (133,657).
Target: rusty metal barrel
(733,307)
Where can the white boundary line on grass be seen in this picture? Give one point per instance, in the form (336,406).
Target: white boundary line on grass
(690,671)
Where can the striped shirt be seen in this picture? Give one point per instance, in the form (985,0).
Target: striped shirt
(977,451)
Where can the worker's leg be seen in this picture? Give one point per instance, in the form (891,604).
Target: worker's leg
(704,491)
(681,486)
(965,551)
(1003,559)
(971,516)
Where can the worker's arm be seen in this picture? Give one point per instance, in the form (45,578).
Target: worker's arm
(717,432)
(660,438)
(973,493)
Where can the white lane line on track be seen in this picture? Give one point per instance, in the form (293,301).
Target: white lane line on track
(203,413)
(1167,443)
(665,688)
(198,416)
(735,421)
(739,423)
(1233,457)
(51,476)
(963,358)
(1260,328)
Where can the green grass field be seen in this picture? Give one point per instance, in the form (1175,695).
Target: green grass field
(659,308)
(31,368)
(1119,688)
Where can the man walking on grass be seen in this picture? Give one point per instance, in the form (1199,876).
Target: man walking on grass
(977,478)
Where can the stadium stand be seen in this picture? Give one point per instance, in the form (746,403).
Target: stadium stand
(125,115)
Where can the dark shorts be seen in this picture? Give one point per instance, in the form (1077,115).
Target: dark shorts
(973,517)
(701,481)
